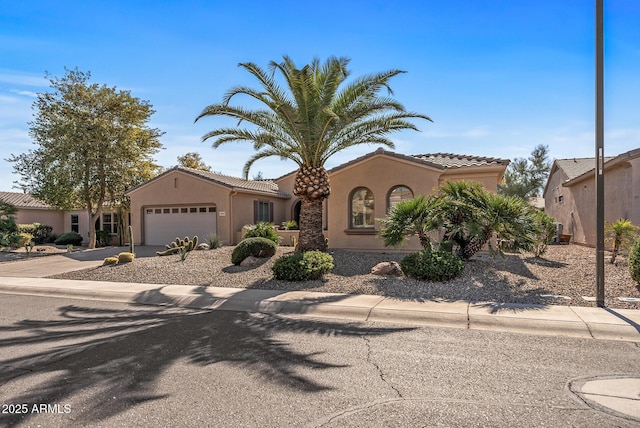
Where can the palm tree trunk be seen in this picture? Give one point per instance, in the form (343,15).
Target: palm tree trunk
(311,236)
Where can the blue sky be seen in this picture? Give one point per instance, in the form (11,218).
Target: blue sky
(498,77)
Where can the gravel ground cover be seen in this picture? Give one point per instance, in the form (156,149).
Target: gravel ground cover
(565,270)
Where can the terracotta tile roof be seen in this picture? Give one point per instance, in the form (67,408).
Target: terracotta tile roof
(436,160)
(451,160)
(22,200)
(263,186)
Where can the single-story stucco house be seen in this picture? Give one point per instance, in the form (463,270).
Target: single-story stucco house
(570,193)
(186,202)
(32,210)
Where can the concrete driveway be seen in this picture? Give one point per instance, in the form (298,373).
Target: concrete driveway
(39,267)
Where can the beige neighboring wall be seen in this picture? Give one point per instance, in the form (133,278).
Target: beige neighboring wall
(573,204)
(49,217)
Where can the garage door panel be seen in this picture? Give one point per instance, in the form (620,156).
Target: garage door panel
(163,225)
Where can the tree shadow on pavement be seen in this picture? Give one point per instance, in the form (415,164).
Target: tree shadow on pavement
(118,356)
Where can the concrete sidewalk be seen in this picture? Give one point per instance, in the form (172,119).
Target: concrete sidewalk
(570,321)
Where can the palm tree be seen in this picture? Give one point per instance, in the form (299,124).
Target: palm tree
(621,234)
(309,120)
(409,218)
(468,216)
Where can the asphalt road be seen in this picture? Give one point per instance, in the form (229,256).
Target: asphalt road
(86,363)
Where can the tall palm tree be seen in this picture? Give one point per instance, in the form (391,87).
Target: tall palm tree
(308,120)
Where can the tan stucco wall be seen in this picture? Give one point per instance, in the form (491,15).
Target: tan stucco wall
(380,174)
(188,189)
(577,211)
(52,218)
(243,211)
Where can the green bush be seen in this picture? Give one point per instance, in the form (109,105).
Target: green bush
(432,265)
(257,247)
(302,266)
(18,239)
(261,230)
(67,238)
(634,261)
(41,232)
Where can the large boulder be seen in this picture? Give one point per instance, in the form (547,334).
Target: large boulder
(387,268)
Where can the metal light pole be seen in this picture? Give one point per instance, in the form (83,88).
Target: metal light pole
(599,170)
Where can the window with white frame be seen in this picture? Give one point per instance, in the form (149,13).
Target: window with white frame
(75,223)
(110,222)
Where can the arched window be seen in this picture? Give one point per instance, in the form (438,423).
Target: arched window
(362,208)
(398,194)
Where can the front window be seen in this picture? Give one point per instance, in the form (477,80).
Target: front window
(362,208)
(263,212)
(75,223)
(399,194)
(110,222)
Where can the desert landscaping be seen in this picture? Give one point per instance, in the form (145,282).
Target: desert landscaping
(564,270)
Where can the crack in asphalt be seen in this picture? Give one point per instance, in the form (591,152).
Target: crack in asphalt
(377,367)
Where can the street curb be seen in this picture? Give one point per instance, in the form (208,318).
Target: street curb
(565,321)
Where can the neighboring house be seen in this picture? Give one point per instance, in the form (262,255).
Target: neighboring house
(570,193)
(186,202)
(32,210)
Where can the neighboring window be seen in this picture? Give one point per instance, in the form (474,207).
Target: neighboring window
(262,211)
(203,209)
(75,223)
(560,199)
(110,222)
(399,194)
(175,210)
(362,208)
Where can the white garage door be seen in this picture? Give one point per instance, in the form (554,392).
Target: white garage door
(163,224)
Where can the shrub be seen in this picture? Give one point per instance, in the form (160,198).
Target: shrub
(257,247)
(290,225)
(110,261)
(214,241)
(125,257)
(262,230)
(302,266)
(634,261)
(102,238)
(41,232)
(17,240)
(432,265)
(67,238)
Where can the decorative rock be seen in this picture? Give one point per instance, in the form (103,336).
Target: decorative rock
(203,246)
(251,261)
(386,268)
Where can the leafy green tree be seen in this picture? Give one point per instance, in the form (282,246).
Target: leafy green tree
(468,215)
(93,143)
(620,235)
(526,177)
(309,119)
(193,160)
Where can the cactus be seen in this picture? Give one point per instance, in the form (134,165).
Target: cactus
(125,257)
(180,246)
(110,261)
(131,246)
